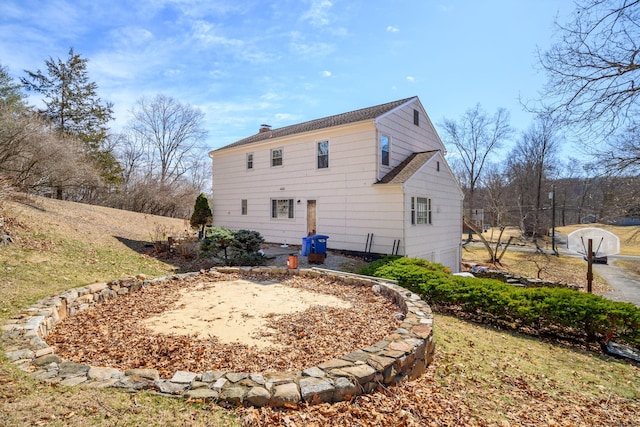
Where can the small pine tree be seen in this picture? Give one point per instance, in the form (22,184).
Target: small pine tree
(202,214)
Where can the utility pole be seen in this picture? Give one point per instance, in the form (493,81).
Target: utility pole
(552,196)
(590,267)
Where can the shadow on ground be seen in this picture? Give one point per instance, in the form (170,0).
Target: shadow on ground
(182,263)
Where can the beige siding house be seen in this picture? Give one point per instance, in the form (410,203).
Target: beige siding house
(372,180)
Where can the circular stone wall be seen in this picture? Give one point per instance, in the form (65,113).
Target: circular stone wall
(403,354)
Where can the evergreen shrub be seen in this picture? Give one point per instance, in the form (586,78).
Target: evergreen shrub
(559,312)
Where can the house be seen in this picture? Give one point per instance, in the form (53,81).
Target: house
(373,180)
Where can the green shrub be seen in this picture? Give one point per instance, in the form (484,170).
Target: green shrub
(557,311)
(202,214)
(243,245)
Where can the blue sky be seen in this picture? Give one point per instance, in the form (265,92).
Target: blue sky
(244,63)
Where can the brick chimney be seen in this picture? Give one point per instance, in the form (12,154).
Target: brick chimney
(264,128)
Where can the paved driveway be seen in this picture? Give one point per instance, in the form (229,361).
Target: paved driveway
(625,284)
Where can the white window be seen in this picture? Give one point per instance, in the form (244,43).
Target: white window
(384,150)
(420,210)
(281,208)
(323,155)
(250,161)
(243,206)
(276,157)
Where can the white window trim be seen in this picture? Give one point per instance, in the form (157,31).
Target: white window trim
(383,135)
(278,208)
(253,161)
(271,158)
(428,213)
(318,155)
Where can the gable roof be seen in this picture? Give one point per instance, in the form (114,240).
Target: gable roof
(368,113)
(405,170)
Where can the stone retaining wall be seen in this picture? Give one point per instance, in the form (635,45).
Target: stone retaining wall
(402,355)
(516,280)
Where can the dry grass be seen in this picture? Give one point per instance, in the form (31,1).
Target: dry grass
(530,264)
(492,377)
(629,236)
(25,402)
(61,245)
(563,268)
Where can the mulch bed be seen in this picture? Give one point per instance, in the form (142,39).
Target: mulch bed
(112,333)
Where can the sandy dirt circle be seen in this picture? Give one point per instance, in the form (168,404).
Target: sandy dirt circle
(237,311)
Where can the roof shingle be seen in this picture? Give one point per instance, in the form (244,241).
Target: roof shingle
(368,113)
(405,170)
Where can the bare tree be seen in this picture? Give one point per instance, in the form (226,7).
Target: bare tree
(593,68)
(131,155)
(35,158)
(171,133)
(621,153)
(496,188)
(530,164)
(475,136)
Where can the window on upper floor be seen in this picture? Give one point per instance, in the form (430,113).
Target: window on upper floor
(323,154)
(384,150)
(416,118)
(250,161)
(282,208)
(276,157)
(420,210)
(243,207)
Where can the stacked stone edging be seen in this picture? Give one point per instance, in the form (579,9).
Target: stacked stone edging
(514,279)
(402,355)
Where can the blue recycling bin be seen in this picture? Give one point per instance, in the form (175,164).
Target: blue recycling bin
(319,243)
(306,246)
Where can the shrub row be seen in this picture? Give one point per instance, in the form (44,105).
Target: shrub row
(560,312)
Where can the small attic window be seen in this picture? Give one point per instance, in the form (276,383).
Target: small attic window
(438,166)
(416,118)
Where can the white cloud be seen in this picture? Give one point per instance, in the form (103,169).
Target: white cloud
(411,79)
(208,35)
(286,117)
(318,14)
(130,36)
(326,73)
(392,29)
(312,49)
(172,72)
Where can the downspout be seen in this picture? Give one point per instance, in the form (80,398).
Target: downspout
(404,221)
(376,145)
(212,192)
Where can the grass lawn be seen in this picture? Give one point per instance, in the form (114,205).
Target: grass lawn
(481,376)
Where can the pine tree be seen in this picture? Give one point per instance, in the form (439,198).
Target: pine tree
(74,108)
(10,94)
(202,214)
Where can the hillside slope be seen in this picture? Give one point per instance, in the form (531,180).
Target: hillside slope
(59,245)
